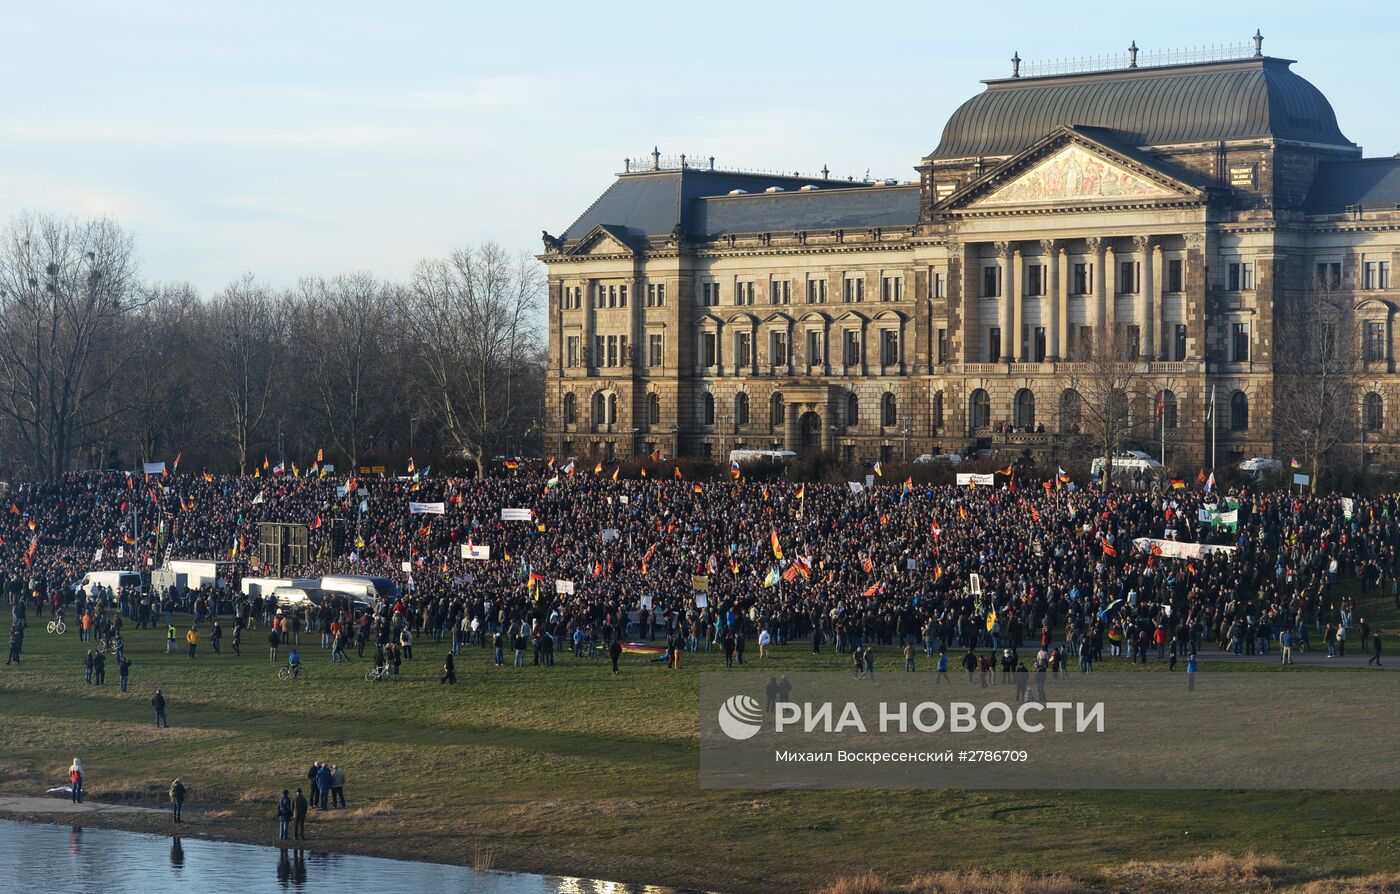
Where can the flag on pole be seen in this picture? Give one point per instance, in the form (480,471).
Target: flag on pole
(598,469)
(734,470)
(878,470)
(1210,407)
(615,472)
(1210,482)
(802,491)
(777,547)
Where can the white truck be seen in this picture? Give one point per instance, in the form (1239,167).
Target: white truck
(206,572)
(265,586)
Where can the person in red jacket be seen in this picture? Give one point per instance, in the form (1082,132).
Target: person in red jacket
(75,777)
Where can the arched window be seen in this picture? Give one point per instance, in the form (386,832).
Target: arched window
(852,409)
(1071,412)
(707,409)
(570,409)
(1166,410)
(741,408)
(980,410)
(1239,411)
(776,411)
(937,411)
(612,409)
(889,410)
(653,409)
(1025,409)
(600,408)
(1373,411)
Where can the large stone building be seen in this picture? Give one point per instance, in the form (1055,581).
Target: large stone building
(695,310)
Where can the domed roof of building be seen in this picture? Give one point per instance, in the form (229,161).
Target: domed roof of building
(1242,99)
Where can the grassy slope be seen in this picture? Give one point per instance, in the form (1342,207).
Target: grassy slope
(573,771)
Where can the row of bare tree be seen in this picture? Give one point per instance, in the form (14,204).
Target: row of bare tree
(99,368)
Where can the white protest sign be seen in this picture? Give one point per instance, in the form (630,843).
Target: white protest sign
(564,587)
(516,515)
(476,552)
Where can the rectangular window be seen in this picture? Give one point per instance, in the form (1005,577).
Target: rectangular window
(815,355)
(624,357)
(743,349)
(991,282)
(1086,338)
(654,350)
(889,347)
(816,291)
(850,348)
(1239,276)
(1179,342)
(943,346)
(571,351)
(600,296)
(780,291)
(656,294)
(1128,277)
(621,296)
(612,296)
(1039,344)
(891,288)
(1035,280)
(1134,342)
(854,289)
(940,286)
(778,349)
(1329,275)
(1174,275)
(1375,342)
(612,351)
(743,293)
(1239,342)
(709,350)
(994,344)
(1083,276)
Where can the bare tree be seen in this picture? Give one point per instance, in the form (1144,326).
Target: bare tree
(157,379)
(242,347)
(341,328)
(1111,397)
(1317,362)
(473,321)
(65,287)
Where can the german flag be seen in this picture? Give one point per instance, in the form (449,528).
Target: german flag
(1009,470)
(802,491)
(615,472)
(514,464)
(777,547)
(868,565)
(678,474)
(1178,484)
(1108,549)
(696,488)
(598,469)
(872,590)
(597,569)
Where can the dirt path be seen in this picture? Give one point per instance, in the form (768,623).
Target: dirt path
(65,806)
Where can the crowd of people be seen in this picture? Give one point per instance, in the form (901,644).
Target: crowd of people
(587,561)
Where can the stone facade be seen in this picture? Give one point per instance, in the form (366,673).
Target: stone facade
(942,316)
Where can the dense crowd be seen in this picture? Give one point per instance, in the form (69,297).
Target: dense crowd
(712,564)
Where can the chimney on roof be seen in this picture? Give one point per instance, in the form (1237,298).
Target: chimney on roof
(826,174)
(655,158)
(1132,55)
(1016,64)
(1258,43)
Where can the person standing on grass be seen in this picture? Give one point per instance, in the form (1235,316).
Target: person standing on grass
(284,814)
(1191,672)
(99,668)
(274,639)
(158,702)
(16,641)
(942,669)
(615,652)
(765,639)
(1376,653)
(75,780)
(299,809)
(192,637)
(177,797)
(215,635)
(908,658)
(237,639)
(170,639)
(323,787)
(123,671)
(337,786)
(449,670)
(89,663)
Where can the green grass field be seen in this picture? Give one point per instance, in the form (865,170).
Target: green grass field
(569,770)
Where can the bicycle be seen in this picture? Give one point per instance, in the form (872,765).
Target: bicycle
(57,626)
(285,673)
(375,674)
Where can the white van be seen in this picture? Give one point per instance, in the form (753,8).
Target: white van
(761,456)
(206,572)
(116,581)
(266,586)
(359,585)
(296,596)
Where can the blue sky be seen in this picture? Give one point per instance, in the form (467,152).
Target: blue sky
(299,138)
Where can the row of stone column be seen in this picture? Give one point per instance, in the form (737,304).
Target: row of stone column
(1155,338)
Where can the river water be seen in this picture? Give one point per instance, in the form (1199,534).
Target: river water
(55,859)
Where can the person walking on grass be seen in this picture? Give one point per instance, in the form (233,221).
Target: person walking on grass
(284,814)
(158,702)
(1376,650)
(449,670)
(615,652)
(170,639)
(123,671)
(177,797)
(299,809)
(942,669)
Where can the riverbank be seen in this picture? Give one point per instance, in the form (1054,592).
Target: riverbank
(569,770)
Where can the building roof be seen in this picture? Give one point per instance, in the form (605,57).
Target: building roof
(821,209)
(1370,183)
(652,203)
(1250,98)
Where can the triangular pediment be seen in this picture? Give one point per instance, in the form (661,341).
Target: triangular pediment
(1074,167)
(601,240)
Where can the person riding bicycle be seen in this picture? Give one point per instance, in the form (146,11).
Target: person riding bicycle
(294,663)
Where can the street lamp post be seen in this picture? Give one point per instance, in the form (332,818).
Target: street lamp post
(908,421)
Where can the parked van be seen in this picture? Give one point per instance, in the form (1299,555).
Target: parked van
(116,581)
(761,456)
(266,586)
(296,597)
(360,585)
(206,572)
